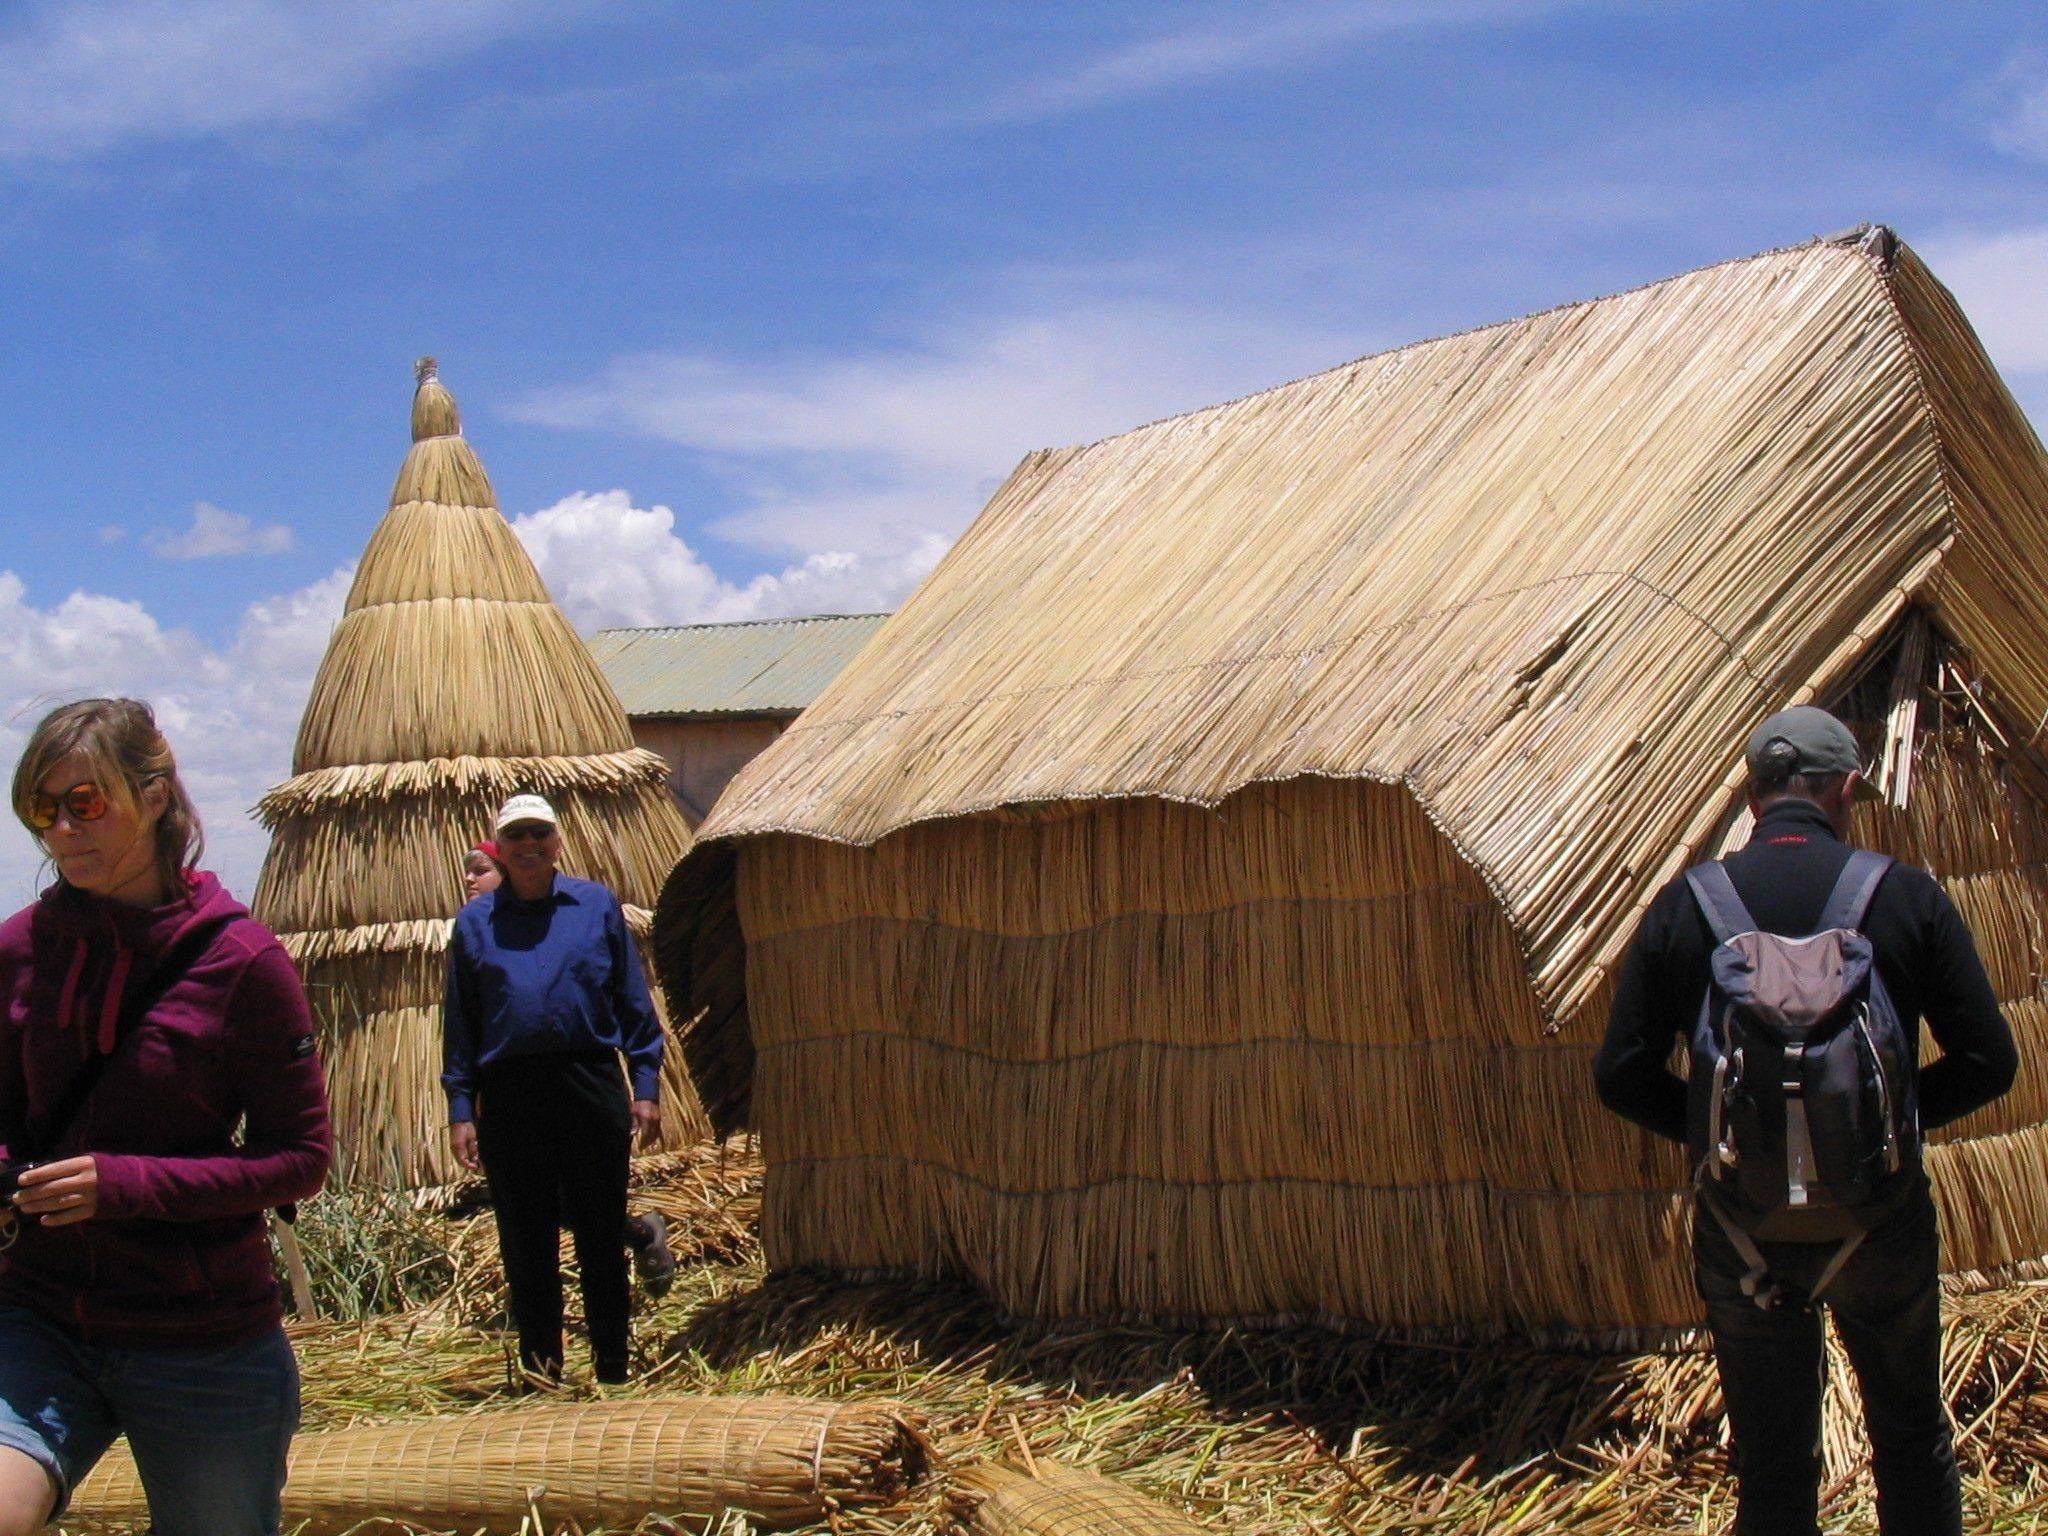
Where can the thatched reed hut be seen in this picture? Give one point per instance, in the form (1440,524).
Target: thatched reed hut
(1200,899)
(451,683)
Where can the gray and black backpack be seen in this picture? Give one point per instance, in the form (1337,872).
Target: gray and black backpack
(1800,1093)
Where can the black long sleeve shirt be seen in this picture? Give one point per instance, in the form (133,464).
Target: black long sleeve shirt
(1784,876)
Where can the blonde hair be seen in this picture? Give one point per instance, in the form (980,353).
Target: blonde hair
(119,737)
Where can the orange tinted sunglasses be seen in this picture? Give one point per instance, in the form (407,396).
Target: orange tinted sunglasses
(84,802)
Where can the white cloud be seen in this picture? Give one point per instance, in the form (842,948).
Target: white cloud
(79,76)
(214,533)
(608,562)
(2020,107)
(231,711)
(1248,39)
(2000,277)
(877,452)
(110,533)
(86,638)
(288,634)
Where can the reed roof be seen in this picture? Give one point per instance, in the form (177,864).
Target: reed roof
(1545,574)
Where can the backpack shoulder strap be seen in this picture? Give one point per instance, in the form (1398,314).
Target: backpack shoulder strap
(1722,908)
(1850,900)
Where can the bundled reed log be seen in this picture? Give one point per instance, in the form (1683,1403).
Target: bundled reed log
(451,683)
(1054,1500)
(779,1460)
(1249,813)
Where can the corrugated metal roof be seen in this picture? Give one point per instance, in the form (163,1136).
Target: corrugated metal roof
(765,666)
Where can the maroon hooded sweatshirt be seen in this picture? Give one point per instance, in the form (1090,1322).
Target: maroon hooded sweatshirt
(177,1254)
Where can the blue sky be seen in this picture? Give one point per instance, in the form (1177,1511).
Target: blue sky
(749,306)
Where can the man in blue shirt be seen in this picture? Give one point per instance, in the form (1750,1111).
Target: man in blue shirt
(544,994)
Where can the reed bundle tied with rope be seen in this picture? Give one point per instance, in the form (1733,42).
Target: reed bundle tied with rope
(779,1460)
(1054,1500)
(1249,813)
(451,683)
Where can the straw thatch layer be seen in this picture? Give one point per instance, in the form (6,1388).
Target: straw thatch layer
(779,1460)
(427,935)
(442,471)
(393,860)
(434,413)
(426,549)
(372,970)
(490,779)
(508,680)
(1054,1500)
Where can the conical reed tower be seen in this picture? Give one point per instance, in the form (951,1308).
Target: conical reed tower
(451,682)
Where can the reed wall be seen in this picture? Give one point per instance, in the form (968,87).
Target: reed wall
(1973,824)
(1281,1060)
(400,856)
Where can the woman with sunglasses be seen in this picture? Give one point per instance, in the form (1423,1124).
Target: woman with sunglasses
(144,1016)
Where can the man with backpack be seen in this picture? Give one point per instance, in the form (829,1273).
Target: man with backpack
(1798,971)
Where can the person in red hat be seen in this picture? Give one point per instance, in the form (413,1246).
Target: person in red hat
(482,869)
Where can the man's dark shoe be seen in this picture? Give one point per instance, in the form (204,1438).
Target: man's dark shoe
(653,1262)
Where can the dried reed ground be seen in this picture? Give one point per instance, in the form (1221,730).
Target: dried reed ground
(1256,1433)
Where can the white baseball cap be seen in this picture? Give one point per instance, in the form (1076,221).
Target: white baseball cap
(526,808)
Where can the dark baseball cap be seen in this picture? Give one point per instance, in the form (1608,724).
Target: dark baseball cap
(1820,744)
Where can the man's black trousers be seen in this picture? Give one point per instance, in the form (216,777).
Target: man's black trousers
(1886,1306)
(555,1135)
